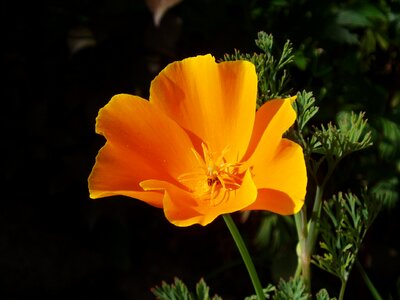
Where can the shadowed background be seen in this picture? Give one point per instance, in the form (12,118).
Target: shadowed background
(63,60)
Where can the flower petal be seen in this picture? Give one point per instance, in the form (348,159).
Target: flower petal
(273,119)
(179,204)
(116,173)
(276,202)
(215,102)
(142,143)
(183,209)
(284,177)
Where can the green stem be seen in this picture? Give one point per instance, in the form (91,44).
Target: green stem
(304,259)
(368,282)
(313,224)
(245,256)
(342,289)
(307,232)
(299,248)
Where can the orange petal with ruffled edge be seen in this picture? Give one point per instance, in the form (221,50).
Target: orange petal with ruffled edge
(278,164)
(216,102)
(183,209)
(272,120)
(282,183)
(275,201)
(142,143)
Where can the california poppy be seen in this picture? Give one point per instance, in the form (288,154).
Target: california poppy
(198,148)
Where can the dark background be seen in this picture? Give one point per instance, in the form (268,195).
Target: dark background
(56,243)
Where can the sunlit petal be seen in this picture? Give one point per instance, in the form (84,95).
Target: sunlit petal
(216,102)
(285,177)
(142,143)
(273,119)
(182,208)
(276,202)
(179,204)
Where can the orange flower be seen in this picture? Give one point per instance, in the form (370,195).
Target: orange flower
(198,148)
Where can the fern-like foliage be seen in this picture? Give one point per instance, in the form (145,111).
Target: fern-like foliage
(323,295)
(305,109)
(271,72)
(179,291)
(292,289)
(342,231)
(349,135)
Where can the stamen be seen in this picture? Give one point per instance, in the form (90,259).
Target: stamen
(215,175)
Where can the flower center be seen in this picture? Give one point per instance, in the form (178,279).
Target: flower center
(215,175)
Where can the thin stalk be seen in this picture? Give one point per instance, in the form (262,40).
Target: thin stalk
(299,249)
(368,282)
(303,266)
(307,231)
(313,224)
(342,289)
(245,256)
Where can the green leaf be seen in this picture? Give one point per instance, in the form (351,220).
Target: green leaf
(202,290)
(264,41)
(305,111)
(382,41)
(179,291)
(175,291)
(294,288)
(388,137)
(301,60)
(346,221)
(352,18)
(371,12)
(386,192)
(323,295)
(368,42)
(271,69)
(267,293)
(305,108)
(342,35)
(349,135)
